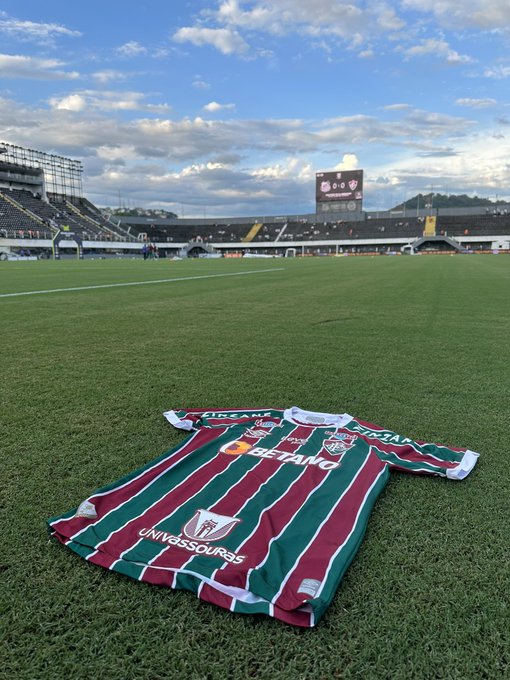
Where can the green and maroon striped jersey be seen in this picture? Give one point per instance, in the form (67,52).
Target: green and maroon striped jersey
(257,510)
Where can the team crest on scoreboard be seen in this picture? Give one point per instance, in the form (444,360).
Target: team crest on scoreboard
(338,444)
(209,526)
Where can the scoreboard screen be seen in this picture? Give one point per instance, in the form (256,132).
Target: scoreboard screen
(339,186)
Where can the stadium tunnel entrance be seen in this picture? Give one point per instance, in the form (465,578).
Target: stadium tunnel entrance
(70,238)
(197,249)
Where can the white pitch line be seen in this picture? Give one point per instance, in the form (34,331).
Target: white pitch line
(140,283)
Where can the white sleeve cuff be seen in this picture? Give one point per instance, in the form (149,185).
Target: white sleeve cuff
(465,466)
(174,420)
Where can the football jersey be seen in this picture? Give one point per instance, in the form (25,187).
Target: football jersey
(256,511)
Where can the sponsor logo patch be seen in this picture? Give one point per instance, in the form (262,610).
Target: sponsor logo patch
(209,526)
(239,447)
(262,428)
(236,448)
(197,534)
(267,424)
(253,432)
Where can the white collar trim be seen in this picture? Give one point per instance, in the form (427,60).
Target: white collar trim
(299,416)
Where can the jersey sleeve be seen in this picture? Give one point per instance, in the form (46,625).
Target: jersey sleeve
(194,419)
(402,453)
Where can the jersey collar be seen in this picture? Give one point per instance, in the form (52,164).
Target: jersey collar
(299,416)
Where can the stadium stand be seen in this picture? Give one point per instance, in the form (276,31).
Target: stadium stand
(23,214)
(184,233)
(19,221)
(383,228)
(41,199)
(69,216)
(380,228)
(89,218)
(495,223)
(254,230)
(270,231)
(23,211)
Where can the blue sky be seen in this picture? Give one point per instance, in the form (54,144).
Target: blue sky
(230,107)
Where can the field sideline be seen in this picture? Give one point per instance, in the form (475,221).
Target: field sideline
(416,344)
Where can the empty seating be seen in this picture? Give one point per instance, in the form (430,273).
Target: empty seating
(25,215)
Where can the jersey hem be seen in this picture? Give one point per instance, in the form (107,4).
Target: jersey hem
(465,466)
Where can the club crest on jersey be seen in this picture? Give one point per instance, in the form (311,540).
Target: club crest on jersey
(209,526)
(338,444)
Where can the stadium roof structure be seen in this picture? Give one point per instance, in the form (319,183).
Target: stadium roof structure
(61,175)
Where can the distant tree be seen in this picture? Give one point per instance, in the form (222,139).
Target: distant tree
(142,212)
(446,201)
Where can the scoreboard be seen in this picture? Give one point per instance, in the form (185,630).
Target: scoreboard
(339,191)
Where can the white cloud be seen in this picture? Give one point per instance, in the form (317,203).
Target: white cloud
(342,18)
(200,83)
(108,75)
(73,102)
(262,16)
(225,40)
(214,107)
(276,171)
(480,14)
(350,21)
(438,48)
(160,53)
(20,66)
(247,166)
(353,22)
(497,72)
(131,49)
(397,107)
(453,57)
(476,103)
(34,31)
(243,28)
(455,172)
(106,101)
(349,162)
(189,140)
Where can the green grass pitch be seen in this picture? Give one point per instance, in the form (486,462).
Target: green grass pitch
(419,345)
